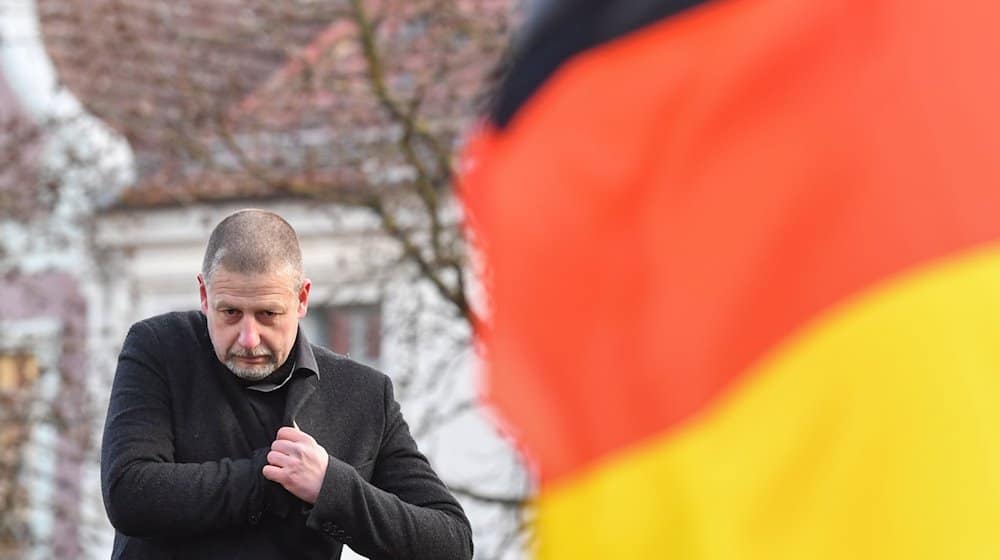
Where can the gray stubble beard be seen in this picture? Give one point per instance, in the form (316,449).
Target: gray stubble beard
(255,373)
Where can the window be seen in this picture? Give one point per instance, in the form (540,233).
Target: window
(353,330)
(18,371)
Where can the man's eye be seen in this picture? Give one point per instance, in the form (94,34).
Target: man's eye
(269,314)
(230,312)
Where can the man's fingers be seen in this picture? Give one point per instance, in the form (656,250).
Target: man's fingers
(279,459)
(274,473)
(287,447)
(292,434)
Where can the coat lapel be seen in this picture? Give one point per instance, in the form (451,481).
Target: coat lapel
(300,390)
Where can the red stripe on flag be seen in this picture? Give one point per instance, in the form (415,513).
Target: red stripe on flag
(672,205)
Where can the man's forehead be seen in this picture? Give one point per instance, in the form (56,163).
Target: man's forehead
(225,279)
(279,293)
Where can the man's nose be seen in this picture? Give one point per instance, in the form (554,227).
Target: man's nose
(249,333)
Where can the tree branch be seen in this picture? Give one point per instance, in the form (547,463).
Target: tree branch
(497,499)
(413,252)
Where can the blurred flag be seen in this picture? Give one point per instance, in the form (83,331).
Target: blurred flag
(745,276)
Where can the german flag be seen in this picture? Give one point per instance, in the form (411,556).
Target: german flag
(744,262)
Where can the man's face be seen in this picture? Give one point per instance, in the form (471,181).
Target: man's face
(252,319)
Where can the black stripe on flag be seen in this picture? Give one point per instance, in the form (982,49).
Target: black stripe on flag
(559,29)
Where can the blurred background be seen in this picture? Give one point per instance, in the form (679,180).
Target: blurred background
(128,129)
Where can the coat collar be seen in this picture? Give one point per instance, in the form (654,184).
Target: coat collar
(305,385)
(305,380)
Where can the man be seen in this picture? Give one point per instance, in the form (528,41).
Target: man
(229,435)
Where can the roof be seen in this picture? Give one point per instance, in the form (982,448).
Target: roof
(161,61)
(200,87)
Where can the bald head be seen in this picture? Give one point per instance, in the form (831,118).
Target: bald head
(253,242)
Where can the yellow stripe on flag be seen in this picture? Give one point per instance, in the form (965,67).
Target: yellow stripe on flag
(872,433)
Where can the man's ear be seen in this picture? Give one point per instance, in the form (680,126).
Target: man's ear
(304,297)
(203,292)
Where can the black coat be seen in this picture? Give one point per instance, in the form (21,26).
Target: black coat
(181,471)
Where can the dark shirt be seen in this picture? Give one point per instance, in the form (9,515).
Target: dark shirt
(267,396)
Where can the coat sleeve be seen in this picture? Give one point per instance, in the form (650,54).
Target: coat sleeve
(146,493)
(405,512)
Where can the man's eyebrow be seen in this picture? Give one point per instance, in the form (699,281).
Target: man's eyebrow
(262,306)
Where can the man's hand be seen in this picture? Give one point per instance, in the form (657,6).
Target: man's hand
(298,463)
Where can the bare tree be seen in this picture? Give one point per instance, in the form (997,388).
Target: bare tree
(46,416)
(41,374)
